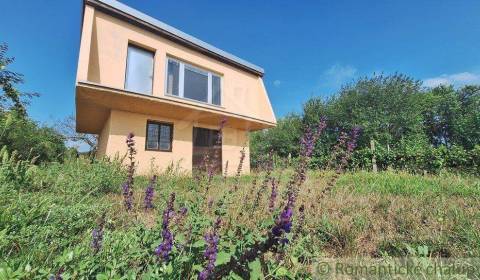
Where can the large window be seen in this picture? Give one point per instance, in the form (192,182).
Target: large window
(159,136)
(186,81)
(139,72)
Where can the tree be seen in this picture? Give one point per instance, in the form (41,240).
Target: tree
(469,122)
(282,140)
(68,130)
(441,112)
(10,97)
(17,131)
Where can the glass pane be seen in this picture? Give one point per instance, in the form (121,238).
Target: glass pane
(152,136)
(173,77)
(165,136)
(139,74)
(216,93)
(196,84)
(203,137)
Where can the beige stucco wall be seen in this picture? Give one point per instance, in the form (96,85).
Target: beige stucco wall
(120,123)
(103,138)
(103,55)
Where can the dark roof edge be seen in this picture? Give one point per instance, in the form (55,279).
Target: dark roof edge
(124,12)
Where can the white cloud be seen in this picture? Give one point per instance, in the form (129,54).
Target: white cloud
(338,74)
(457,79)
(277,83)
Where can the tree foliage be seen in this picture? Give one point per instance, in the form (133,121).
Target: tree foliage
(17,131)
(413,127)
(11,98)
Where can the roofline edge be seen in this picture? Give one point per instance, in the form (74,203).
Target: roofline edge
(135,17)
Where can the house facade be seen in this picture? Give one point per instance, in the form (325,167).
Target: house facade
(172,90)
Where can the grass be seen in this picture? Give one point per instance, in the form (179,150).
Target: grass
(46,223)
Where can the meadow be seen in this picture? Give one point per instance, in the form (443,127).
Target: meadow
(71,220)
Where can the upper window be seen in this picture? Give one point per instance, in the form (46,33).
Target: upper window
(139,72)
(159,136)
(186,81)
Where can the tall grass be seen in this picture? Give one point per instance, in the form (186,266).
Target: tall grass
(69,220)
(46,226)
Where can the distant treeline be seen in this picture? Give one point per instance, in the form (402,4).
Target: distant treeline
(412,127)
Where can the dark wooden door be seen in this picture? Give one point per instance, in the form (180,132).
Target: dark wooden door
(206,143)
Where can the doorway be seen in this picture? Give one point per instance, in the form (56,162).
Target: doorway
(206,143)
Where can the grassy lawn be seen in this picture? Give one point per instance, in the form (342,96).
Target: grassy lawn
(46,221)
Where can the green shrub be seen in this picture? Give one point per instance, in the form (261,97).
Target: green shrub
(13,171)
(81,176)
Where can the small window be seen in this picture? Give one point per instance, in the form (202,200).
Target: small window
(173,77)
(139,72)
(216,96)
(159,136)
(187,81)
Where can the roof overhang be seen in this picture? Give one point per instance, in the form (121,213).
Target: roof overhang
(135,17)
(94,102)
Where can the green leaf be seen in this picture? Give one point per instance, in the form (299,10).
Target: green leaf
(294,260)
(198,244)
(101,276)
(235,276)
(255,270)
(282,272)
(222,258)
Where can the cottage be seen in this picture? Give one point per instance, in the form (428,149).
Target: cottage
(137,74)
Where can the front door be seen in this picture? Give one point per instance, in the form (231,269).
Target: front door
(206,145)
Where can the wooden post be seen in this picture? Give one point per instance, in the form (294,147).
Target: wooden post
(374,160)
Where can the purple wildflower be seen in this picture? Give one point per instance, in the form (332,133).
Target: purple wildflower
(211,164)
(210,203)
(97,234)
(128,185)
(211,251)
(268,170)
(352,143)
(127,196)
(163,250)
(183,211)
(149,191)
(209,167)
(348,143)
(97,238)
(268,166)
(225,173)
(239,168)
(345,146)
(181,214)
(283,224)
(273,196)
(307,145)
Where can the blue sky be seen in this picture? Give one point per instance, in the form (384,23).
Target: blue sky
(307,48)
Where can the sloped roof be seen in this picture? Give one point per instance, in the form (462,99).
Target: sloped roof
(119,10)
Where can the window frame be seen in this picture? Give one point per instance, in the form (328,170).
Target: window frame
(181,81)
(154,52)
(159,134)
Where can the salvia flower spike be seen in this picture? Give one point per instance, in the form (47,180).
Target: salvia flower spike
(149,192)
(163,250)
(273,195)
(97,235)
(127,188)
(210,254)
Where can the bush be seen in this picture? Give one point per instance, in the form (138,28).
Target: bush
(81,175)
(15,172)
(29,139)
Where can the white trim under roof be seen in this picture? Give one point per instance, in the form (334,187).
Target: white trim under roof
(118,9)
